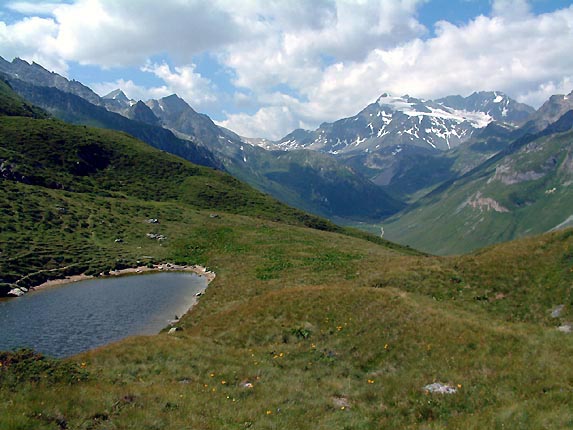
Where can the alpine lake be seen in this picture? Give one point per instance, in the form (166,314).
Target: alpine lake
(67,319)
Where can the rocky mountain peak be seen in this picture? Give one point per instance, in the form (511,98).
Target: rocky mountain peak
(118,95)
(405,120)
(171,105)
(141,112)
(549,112)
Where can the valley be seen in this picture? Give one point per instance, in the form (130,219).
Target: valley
(397,165)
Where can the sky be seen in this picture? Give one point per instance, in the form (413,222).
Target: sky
(266,67)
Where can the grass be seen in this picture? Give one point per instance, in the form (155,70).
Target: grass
(513,372)
(306,328)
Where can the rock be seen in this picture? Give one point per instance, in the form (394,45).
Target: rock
(214,216)
(341,402)
(118,240)
(438,387)
(17,292)
(173,330)
(156,236)
(556,313)
(152,221)
(565,328)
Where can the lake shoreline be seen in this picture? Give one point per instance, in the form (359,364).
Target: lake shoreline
(69,317)
(156,268)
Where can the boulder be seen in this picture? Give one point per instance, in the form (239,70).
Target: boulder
(17,292)
(438,387)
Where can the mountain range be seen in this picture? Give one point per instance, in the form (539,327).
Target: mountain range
(393,164)
(393,121)
(172,125)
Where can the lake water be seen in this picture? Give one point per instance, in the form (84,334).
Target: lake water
(68,319)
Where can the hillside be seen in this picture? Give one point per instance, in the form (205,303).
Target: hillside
(77,110)
(523,190)
(63,183)
(11,104)
(196,138)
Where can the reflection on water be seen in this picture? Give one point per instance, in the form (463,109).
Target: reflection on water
(68,319)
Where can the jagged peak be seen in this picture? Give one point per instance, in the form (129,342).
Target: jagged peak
(173,97)
(175,102)
(116,95)
(18,60)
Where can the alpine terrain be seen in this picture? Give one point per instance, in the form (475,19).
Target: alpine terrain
(306,325)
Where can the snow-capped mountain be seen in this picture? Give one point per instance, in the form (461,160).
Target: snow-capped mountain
(391,121)
(495,104)
(117,101)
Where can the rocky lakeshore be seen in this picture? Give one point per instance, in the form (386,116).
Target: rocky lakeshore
(164,267)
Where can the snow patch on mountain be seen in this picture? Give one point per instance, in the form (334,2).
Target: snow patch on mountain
(439,125)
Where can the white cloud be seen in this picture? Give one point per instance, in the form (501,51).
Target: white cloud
(188,84)
(273,119)
(290,49)
(298,62)
(539,95)
(21,39)
(183,81)
(112,33)
(511,9)
(527,58)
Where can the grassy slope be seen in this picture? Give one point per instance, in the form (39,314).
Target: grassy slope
(11,104)
(332,331)
(89,187)
(443,223)
(296,312)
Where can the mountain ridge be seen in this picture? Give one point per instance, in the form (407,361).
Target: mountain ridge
(173,125)
(524,189)
(390,121)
